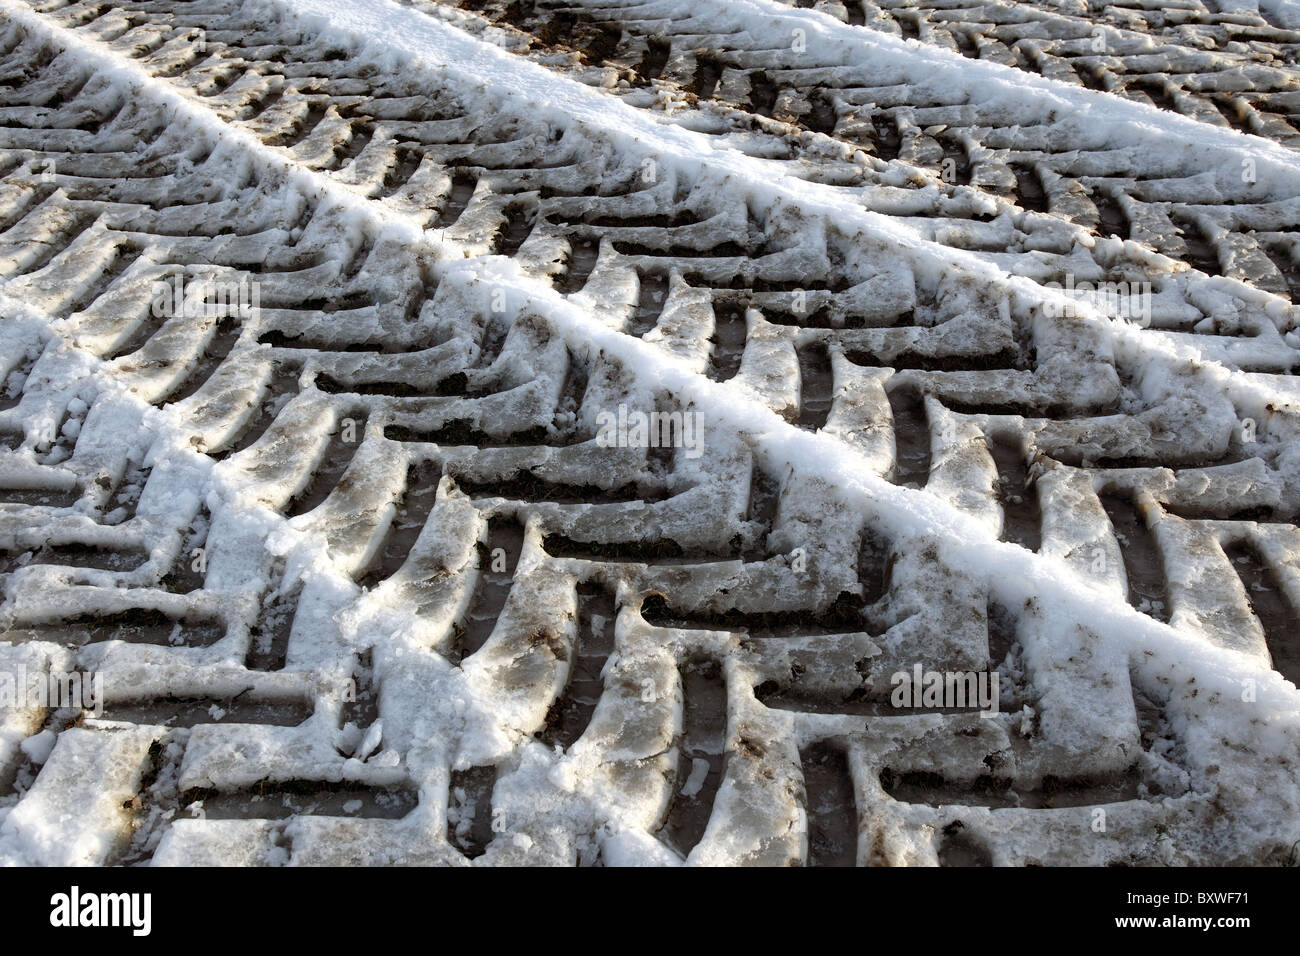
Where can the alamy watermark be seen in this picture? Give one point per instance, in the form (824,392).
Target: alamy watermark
(949,690)
(74,908)
(52,690)
(1130,301)
(206,298)
(637,429)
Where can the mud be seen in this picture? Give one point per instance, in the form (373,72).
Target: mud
(1142,563)
(312,798)
(911,437)
(190,712)
(469,812)
(702,748)
(505,541)
(413,511)
(816,387)
(993,792)
(1269,602)
(338,455)
(831,807)
(1021,517)
(571,714)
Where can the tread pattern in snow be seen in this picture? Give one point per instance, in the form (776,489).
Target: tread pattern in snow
(968,169)
(281,534)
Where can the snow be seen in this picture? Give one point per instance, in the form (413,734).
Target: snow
(437,719)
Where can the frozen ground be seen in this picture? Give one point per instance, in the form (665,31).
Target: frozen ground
(360,579)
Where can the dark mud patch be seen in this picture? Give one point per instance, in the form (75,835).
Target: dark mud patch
(816,386)
(582,259)
(413,510)
(1142,562)
(140,626)
(831,806)
(192,711)
(571,713)
(458,197)
(1021,516)
(279,801)
(469,810)
(283,383)
(1269,603)
(728,341)
(342,447)
(842,615)
(911,437)
(1053,793)
(701,755)
(91,558)
(497,561)
(957,847)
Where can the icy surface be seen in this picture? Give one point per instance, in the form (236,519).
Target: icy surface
(365,585)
